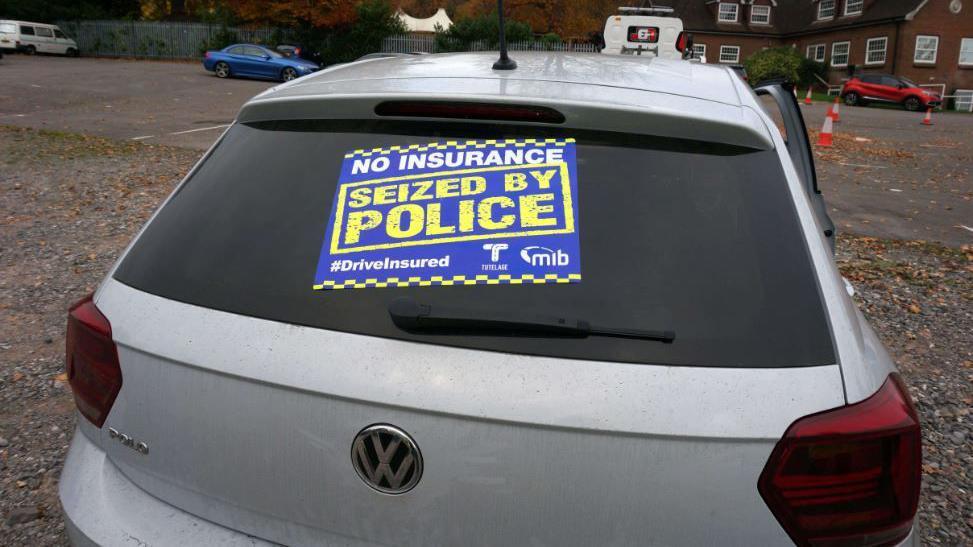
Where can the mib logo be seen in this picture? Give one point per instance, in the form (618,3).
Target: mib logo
(542,256)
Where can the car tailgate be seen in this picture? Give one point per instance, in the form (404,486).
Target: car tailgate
(249,423)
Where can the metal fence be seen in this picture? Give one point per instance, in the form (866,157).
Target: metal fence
(427,44)
(161,40)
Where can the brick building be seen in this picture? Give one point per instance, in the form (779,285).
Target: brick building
(928,41)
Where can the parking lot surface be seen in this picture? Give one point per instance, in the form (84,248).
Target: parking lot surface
(891,177)
(179,104)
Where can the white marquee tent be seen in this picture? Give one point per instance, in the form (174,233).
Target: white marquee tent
(428,24)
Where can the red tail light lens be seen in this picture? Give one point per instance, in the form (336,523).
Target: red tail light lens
(470,111)
(684,41)
(207,55)
(848,476)
(92,361)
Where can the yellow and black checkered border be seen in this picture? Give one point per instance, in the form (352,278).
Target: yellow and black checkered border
(440,281)
(458,145)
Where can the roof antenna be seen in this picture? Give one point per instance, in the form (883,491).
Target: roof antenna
(504,62)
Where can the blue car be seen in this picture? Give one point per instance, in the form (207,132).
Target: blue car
(255,61)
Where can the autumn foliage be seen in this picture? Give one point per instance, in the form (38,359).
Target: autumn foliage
(571,19)
(316,13)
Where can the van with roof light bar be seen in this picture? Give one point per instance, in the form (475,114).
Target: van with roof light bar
(578,299)
(653,32)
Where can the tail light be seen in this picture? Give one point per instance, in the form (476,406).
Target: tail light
(684,42)
(207,55)
(92,361)
(848,476)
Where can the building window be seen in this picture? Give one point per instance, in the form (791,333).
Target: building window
(825,9)
(875,51)
(816,52)
(963,100)
(699,51)
(966,52)
(854,7)
(760,15)
(839,53)
(926,47)
(730,54)
(728,12)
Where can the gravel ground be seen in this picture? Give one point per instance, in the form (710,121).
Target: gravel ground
(69,204)
(919,298)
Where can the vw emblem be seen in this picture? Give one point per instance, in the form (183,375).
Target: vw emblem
(387,459)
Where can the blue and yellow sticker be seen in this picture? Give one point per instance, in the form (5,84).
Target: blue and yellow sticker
(454,213)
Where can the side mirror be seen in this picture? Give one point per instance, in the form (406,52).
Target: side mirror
(266,57)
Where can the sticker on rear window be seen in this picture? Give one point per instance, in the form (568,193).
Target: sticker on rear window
(454,213)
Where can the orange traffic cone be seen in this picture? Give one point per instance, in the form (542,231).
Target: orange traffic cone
(928,119)
(825,137)
(834,110)
(807,98)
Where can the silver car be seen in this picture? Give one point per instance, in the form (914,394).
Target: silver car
(419,301)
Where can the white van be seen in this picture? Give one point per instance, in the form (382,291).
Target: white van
(645,31)
(32,38)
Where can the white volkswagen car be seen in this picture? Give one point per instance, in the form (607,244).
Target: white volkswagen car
(420,301)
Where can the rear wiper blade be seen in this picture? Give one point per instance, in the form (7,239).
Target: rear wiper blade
(409,315)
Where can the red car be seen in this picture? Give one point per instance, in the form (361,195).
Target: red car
(865,88)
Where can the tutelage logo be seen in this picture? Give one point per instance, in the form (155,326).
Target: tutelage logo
(495,249)
(542,256)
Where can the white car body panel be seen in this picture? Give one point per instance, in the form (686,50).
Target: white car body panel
(216,409)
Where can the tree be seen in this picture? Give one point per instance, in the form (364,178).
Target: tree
(485,28)
(774,63)
(375,21)
(811,72)
(312,13)
(568,18)
(48,11)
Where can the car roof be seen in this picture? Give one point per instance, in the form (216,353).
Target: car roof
(644,95)
(707,82)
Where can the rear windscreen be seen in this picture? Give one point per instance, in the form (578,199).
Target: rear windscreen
(653,234)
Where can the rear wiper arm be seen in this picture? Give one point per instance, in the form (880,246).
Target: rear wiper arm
(409,315)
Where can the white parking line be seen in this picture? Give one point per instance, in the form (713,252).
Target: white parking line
(143,137)
(963,226)
(200,129)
